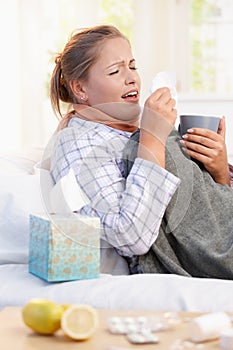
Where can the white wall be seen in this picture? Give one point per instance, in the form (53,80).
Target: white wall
(158,24)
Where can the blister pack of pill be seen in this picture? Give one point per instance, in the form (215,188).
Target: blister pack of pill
(125,325)
(143,337)
(159,322)
(136,329)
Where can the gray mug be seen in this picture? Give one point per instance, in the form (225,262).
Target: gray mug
(188,121)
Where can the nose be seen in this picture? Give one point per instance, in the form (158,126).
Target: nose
(130,77)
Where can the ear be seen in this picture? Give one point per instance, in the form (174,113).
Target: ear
(78,90)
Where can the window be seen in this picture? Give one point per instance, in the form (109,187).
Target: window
(189,37)
(193,39)
(120,14)
(211,51)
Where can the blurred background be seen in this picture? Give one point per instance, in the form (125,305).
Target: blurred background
(191,38)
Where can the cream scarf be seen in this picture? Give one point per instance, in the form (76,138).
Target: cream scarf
(98,116)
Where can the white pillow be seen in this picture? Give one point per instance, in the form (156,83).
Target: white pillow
(24,194)
(19,196)
(17,163)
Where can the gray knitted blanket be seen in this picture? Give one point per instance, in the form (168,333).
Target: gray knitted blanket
(196,234)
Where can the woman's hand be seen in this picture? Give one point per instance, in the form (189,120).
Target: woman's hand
(159,114)
(209,148)
(158,119)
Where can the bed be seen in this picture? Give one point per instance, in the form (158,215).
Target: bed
(20,195)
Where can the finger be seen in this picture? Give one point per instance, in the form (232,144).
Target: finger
(209,134)
(160,93)
(192,147)
(167,100)
(171,103)
(222,127)
(203,158)
(205,141)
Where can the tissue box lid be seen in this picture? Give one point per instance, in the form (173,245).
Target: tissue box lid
(64,248)
(65,231)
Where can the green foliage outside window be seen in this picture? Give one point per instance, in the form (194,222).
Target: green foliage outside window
(203,9)
(203,46)
(120,14)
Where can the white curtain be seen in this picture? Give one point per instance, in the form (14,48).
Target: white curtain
(31,31)
(10,74)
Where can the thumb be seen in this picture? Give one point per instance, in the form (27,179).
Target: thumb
(222,127)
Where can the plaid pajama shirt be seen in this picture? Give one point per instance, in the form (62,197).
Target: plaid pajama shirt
(130,209)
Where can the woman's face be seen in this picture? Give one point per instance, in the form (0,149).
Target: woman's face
(113,78)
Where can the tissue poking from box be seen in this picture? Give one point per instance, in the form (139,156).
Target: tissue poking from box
(64,247)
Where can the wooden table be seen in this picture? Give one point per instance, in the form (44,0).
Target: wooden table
(14,335)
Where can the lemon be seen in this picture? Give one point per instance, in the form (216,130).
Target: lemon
(65,306)
(42,315)
(79,322)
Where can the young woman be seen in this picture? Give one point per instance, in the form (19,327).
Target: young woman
(97,74)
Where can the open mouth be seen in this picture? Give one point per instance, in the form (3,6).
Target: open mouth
(131,96)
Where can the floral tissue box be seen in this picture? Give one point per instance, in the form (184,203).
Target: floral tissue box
(64,247)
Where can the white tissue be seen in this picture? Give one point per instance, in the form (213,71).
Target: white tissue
(163,79)
(209,326)
(67,196)
(226,339)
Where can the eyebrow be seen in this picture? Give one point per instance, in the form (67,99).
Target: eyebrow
(120,62)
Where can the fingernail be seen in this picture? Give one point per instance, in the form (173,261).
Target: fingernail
(190,130)
(182,142)
(185,136)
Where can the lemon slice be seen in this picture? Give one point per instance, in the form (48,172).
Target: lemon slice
(80,322)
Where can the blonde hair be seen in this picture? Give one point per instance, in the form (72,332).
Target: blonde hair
(78,56)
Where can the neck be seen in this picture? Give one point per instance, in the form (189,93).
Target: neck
(98,116)
(123,126)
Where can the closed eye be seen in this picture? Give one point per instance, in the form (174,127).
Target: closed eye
(115,72)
